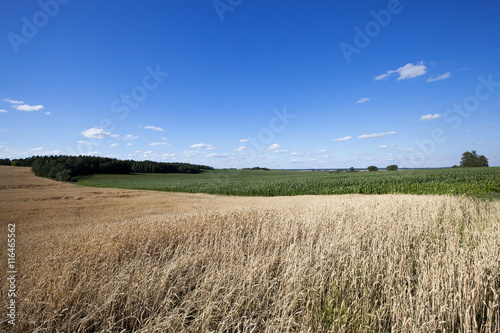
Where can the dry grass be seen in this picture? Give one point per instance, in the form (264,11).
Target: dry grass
(304,264)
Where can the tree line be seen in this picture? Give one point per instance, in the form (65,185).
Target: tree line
(66,168)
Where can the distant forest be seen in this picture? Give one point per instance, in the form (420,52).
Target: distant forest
(66,168)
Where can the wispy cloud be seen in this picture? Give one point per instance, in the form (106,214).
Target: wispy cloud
(26,107)
(241,148)
(408,149)
(130,137)
(345,138)
(363,100)
(322,151)
(48,113)
(376,135)
(275,148)
(114,145)
(428,117)
(204,146)
(387,146)
(153,144)
(243,140)
(37,149)
(154,128)
(95,133)
(407,71)
(191,153)
(3,111)
(216,155)
(440,77)
(8,100)
(86,142)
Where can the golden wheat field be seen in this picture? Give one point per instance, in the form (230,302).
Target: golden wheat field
(108,260)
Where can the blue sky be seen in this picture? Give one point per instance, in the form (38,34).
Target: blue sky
(239,83)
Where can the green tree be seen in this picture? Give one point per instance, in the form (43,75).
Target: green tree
(372,168)
(392,167)
(472,159)
(351,169)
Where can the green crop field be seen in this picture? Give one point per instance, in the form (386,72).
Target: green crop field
(473,181)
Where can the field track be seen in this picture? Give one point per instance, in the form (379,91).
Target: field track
(112,260)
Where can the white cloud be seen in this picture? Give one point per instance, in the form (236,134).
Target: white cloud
(191,153)
(376,135)
(3,111)
(26,107)
(169,155)
(86,142)
(381,76)
(241,148)
(202,146)
(407,71)
(274,146)
(48,113)
(95,133)
(440,77)
(217,155)
(322,151)
(154,128)
(387,146)
(468,131)
(130,137)
(115,135)
(36,149)
(153,144)
(243,140)
(363,100)
(114,145)
(8,100)
(429,116)
(345,138)
(275,149)
(129,144)
(408,149)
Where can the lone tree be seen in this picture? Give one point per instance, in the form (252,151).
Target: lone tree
(372,168)
(392,167)
(471,159)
